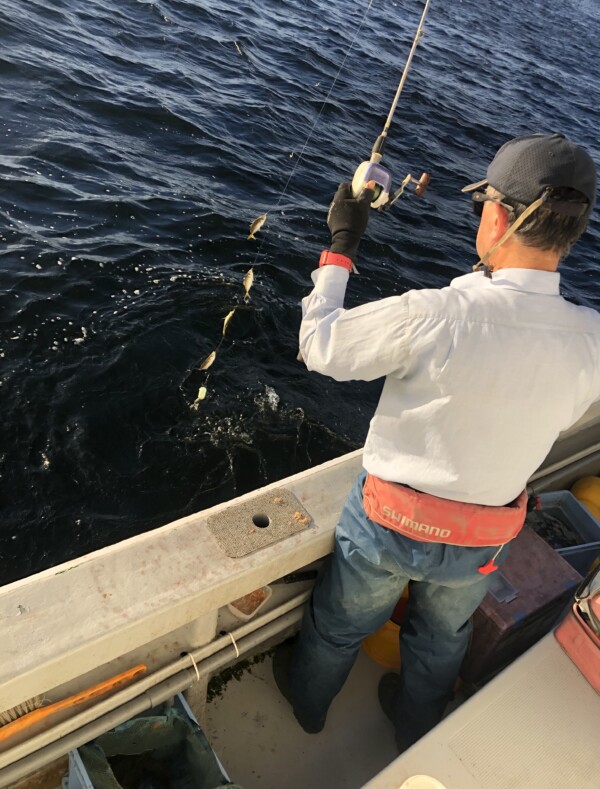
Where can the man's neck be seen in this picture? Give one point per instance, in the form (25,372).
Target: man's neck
(513,254)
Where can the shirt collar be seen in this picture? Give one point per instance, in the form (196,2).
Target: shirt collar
(524,279)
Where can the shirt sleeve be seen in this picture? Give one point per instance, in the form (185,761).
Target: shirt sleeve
(363,343)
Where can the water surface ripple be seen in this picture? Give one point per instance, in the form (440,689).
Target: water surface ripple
(137,141)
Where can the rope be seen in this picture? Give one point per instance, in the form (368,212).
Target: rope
(235,646)
(191,657)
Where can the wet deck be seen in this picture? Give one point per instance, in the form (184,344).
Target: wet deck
(255,735)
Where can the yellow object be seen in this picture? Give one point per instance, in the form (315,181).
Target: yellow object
(384,645)
(593,508)
(587,491)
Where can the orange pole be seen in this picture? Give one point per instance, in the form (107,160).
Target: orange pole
(102,688)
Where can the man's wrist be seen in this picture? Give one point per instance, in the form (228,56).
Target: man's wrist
(329,258)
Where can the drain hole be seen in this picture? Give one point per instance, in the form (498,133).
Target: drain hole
(261,521)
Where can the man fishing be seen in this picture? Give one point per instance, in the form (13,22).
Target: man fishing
(480,378)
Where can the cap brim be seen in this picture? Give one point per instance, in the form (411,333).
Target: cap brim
(472,187)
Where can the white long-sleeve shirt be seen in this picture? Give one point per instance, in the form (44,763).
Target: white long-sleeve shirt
(480,376)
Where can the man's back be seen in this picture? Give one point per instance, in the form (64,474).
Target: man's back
(494,370)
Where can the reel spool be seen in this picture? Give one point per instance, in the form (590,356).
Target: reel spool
(373,171)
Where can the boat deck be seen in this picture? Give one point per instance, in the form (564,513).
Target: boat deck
(255,735)
(534,726)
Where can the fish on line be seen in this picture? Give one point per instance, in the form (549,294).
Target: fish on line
(248,280)
(228,317)
(208,361)
(256,225)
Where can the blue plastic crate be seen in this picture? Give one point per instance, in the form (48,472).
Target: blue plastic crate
(566,508)
(563,505)
(581,557)
(77,777)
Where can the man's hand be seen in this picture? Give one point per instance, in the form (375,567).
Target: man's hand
(347,219)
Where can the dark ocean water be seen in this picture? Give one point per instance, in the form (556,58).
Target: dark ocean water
(137,143)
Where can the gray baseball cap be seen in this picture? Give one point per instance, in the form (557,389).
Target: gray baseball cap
(524,168)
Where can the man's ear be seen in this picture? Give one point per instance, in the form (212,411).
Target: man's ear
(499,220)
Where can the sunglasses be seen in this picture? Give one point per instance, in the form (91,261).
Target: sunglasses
(479,198)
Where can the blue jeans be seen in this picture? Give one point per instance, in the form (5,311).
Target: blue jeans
(356,594)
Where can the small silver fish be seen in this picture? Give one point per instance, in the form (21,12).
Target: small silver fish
(256,225)
(239,49)
(228,317)
(248,280)
(208,361)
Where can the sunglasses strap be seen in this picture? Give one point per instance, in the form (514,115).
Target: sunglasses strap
(483,262)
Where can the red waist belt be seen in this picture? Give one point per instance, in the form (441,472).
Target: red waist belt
(427,518)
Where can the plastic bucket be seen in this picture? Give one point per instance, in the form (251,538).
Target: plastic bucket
(384,645)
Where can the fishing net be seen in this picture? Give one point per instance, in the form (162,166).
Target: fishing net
(167,751)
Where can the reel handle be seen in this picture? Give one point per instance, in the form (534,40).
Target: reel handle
(422,184)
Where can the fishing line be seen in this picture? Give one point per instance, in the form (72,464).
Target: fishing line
(208,361)
(323,105)
(313,127)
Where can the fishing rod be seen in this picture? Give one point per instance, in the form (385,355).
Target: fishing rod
(373,170)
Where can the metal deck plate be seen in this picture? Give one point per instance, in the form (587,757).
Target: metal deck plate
(264,520)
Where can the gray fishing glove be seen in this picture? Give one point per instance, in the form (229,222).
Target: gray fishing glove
(347,219)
